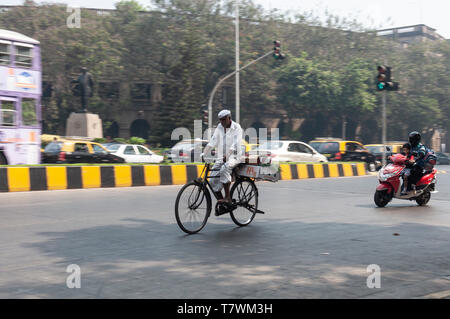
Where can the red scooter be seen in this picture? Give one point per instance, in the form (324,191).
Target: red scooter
(391,180)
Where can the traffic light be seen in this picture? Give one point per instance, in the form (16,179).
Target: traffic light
(277,51)
(205,117)
(384,81)
(383,72)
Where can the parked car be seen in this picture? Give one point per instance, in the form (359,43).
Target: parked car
(289,151)
(78,152)
(252,146)
(107,145)
(342,150)
(377,150)
(47,138)
(396,146)
(135,153)
(187,151)
(442,159)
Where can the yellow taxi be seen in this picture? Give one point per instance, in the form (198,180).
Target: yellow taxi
(78,151)
(396,146)
(336,149)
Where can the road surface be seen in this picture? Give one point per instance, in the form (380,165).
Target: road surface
(316,240)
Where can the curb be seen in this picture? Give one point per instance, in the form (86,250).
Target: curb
(301,171)
(23,179)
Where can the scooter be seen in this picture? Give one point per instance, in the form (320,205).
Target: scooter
(390,184)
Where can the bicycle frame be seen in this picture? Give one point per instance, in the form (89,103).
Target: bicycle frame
(201,192)
(204,181)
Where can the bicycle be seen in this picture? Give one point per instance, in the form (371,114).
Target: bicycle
(193,204)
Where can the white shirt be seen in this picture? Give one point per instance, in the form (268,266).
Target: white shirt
(227,142)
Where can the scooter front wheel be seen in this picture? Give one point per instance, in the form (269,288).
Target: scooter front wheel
(381,198)
(423,199)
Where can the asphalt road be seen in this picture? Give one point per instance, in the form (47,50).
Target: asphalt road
(316,240)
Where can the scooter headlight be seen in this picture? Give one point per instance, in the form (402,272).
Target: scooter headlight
(384,177)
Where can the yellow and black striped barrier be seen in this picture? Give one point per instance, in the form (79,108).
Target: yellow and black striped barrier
(299,171)
(18,179)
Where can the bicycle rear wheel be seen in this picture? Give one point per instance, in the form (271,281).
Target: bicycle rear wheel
(245,194)
(192,207)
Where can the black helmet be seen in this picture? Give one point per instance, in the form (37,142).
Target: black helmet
(414,138)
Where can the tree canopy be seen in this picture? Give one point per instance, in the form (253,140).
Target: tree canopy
(185,46)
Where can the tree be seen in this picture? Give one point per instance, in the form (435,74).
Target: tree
(356,100)
(184,92)
(309,89)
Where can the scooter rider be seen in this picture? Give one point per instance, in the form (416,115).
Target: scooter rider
(418,150)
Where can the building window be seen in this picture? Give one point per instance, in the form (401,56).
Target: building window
(24,57)
(385,32)
(109,90)
(141,91)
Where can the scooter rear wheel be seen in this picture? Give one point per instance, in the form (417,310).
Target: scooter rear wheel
(381,198)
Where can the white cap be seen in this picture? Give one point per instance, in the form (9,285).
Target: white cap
(224,113)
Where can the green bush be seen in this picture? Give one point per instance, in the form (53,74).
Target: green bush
(99,140)
(120,140)
(136,140)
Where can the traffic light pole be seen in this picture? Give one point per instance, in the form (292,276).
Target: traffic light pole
(213,92)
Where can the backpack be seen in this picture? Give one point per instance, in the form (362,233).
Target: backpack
(430,156)
(429,160)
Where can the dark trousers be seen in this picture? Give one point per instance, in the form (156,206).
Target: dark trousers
(416,175)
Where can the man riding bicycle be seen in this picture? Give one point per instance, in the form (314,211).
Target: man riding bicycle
(227,140)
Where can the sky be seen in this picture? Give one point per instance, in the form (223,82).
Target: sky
(377,14)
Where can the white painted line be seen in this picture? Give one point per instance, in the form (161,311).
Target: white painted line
(437,295)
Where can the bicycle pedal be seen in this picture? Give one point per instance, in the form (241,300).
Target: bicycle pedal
(219,212)
(252,209)
(221,209)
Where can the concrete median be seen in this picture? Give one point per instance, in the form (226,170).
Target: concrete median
(19,179)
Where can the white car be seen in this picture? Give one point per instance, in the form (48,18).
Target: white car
(135,153)
(289,151)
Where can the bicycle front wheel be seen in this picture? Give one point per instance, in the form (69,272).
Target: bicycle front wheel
(192,207)
(245,194)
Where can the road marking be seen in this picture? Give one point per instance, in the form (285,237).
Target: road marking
(19,179)
(438,295)
(122,176)
(56,178)
(179,175)
(285,171)
(90,176)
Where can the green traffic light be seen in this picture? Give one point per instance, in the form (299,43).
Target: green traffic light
(381,86)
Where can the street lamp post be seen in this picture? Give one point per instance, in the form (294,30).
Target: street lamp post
(213,92)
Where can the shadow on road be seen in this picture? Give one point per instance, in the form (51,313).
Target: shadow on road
(144,258)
